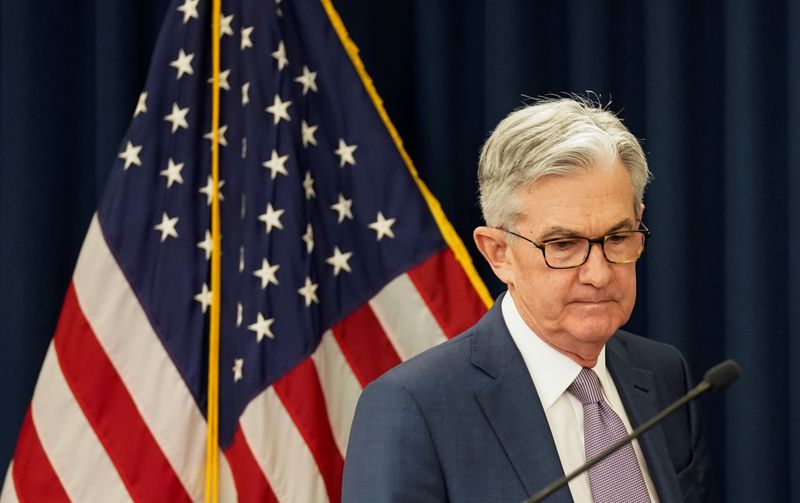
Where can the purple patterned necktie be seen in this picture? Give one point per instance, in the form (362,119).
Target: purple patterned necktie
(618,478)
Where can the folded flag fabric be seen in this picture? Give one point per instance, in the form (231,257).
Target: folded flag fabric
(336,265)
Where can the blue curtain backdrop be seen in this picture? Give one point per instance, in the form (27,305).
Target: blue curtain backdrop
(712,88)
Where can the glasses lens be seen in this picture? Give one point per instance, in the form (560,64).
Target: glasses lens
(565,253)
(624,247)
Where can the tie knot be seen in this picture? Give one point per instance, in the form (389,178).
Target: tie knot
(586,387)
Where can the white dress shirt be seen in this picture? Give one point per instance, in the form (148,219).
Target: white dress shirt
(552,372)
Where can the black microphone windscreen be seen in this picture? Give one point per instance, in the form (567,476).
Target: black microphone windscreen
(722,375)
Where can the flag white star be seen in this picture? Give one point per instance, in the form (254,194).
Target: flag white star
(267,273)
(308,80)
(307,133)
(167,227)
(339,261)
(245,93)
(244,147)
(238,364)
(280,56)
(271,218)
(189,9)
(308,238)
(245,36)
(173,172)
(276,164)
(279,110)
(208,190)
(207,244)
(177,117)
(225,25)
(222,141)
(345,153)
(223,80)
(241,258)
(262,327)
(204,297)
(141,105)
(239,314)
(131,155)
(382,226)
(342,207)
(308,185)
(183,64)
(309,292)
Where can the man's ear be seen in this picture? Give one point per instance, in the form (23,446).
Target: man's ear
(641,212)
(492,244)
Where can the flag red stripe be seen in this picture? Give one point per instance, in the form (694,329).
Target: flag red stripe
(447,291)
(110,411)
(34,477)
(251,485)
(301,394)
(365,345)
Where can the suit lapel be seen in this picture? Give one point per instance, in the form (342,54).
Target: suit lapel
(637,390)
(513,409)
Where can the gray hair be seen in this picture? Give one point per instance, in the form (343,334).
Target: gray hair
(552,137)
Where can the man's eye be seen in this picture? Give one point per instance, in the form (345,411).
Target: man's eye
(618,238)
(564,245)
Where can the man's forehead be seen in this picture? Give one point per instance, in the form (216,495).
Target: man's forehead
(584,221)
(591,200)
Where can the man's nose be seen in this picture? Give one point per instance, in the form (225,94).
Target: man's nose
(597,270)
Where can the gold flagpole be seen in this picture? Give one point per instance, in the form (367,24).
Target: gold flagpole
(212,411)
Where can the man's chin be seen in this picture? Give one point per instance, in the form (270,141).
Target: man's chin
(597,332)
(600,318)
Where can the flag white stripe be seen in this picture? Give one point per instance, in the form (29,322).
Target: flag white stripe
(227,486)
(405,317)
(67,436)
(339,386)
(280,451)
(9,494)
(125,334)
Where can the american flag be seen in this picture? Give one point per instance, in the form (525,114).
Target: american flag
(336,265)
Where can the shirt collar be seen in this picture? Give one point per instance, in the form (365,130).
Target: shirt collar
(551,371)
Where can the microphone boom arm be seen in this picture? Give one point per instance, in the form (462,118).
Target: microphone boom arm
(677,404)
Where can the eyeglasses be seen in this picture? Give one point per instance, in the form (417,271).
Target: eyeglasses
(620,247)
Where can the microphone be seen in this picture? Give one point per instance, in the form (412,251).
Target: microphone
(718,377)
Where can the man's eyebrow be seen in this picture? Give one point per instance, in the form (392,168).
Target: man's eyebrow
(626,224)
(559,232)
(555,231)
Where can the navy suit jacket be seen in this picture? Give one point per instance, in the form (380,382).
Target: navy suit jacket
(463,422)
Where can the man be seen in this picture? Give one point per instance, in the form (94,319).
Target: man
(546,377)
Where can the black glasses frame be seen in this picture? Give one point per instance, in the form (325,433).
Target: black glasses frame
(600,241)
